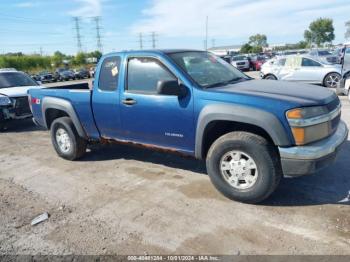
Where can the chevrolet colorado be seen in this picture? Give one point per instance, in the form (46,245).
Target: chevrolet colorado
(250,132)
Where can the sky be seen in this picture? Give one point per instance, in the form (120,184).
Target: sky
(34,26)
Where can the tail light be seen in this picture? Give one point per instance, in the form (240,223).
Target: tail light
(33,101)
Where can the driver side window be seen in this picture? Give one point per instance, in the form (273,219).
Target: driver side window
(144,74)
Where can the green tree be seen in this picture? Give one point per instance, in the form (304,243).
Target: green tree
(347,33)
(320,31)
(257,49)
(246,49)
(97,54)
(258,40)
(57,58)
(80,59)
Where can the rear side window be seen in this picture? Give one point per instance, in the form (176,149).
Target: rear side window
(144,74)
(309,62)
(109,74)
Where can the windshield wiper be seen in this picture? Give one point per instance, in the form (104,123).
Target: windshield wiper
(233,80)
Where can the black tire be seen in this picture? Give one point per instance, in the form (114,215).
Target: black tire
(264,155)
(77,144)
(270,77)
(327,82)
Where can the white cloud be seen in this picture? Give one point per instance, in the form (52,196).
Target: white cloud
(239,19)
(87,8)
(26,4)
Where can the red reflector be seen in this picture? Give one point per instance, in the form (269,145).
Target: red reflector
(35,101)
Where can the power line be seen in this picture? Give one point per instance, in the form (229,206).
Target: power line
(77,30)
(19,19)
(98,34)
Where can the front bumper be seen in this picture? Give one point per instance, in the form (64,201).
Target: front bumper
(308,159)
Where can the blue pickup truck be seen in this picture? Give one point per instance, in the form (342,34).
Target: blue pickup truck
(250,132)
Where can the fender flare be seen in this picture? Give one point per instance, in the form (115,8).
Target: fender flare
(242,114)
(63,105)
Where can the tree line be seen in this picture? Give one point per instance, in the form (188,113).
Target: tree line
(35,63)
(319,33)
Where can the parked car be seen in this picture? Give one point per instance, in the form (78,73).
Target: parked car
(304,69)
(324,55)
(46,77)
(62,74)
(81,73)
(250,132)
(92,72)
(241,62)
(256,62)
(13,95)
(344,85)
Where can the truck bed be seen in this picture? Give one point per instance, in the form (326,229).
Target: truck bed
(78,95)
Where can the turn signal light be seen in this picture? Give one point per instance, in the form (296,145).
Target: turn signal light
(299,135)
(295,113)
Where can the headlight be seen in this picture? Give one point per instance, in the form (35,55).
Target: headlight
(4,101)
(310,124)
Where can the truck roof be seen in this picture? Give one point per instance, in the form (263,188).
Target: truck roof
(156,51)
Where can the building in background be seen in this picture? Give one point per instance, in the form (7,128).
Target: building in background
(225,50)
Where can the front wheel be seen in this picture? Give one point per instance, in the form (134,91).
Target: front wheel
(270,77)
(244,167)
(65,139)
(331,80)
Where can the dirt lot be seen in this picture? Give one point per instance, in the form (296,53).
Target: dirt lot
(122,200)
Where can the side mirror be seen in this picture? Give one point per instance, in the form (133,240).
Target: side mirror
(171,88)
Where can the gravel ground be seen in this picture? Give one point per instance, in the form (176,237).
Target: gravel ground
(124,200)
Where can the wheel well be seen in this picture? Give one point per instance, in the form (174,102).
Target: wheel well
(216,129)
(51,114)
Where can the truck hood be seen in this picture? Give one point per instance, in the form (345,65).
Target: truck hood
(17,91)
(302,94)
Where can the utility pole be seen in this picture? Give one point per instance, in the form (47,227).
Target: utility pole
(98,34)
(77,30)
(153,40)
(206,34)
(141,41)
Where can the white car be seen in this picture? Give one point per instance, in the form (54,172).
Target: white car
(241,62)
(13,95)
(304,69)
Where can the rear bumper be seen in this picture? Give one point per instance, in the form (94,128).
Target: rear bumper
(302,160)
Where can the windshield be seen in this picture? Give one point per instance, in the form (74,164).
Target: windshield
(323,53)
(206,69)
(15,79)
(238,58)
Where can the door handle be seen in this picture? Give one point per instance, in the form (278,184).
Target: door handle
(129,101)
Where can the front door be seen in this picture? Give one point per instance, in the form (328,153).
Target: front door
(150,118)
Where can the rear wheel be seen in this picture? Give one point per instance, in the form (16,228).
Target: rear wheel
(65,139)
(244,167)
(331,80)
(270,77)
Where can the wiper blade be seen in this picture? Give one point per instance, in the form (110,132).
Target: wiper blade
(233,80)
